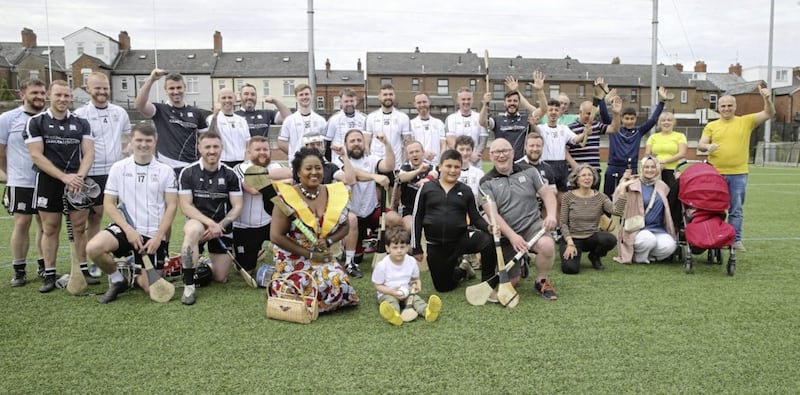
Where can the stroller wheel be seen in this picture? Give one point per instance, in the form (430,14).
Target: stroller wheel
(731,268)
(718,253)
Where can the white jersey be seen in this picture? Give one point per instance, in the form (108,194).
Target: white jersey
(364,198)
(253,214)
(19,165)
(457,124)
(392,275)
(471,177)
(395,125)
(555,141)
(142,188)
(234,132)
(429,132)
(338,126)
(108,125)
(296,126)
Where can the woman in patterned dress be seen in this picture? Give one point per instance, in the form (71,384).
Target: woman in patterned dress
(323,210)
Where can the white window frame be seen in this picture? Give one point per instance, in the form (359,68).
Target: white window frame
(581,90)
(634,95)
(684,96)
(498,91)
(192,85)
(442,86)
(320,102)
(100,49)
(414,85)
(220,84)
(385,81)
(239,84)
(140,82)
(265,87)
(337,102)
(288,87)
(712,101)
(79,49)
(555,90)
(123,84)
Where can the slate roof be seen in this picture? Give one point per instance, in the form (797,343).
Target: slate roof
(13,52)
(637,75)
(414,63)
(743,88)
(705,85)
(261,64)
(340,77)
(724,80)
(788,90)
(171,60)
(523,68)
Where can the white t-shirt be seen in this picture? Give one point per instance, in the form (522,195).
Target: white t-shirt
(457,124)
(394,125)
(339,124)
(19,165)
(392,275)
(364,198)
(234,133)
(108,125)
(296,126)
(141,188)
(472,178)
(429,132)
(253,214)
(555,141)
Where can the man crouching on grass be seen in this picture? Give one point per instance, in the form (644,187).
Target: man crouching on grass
(210,196)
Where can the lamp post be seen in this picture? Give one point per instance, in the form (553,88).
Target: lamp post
(768,124)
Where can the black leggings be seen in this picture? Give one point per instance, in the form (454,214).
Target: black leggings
(443,259)
(597,245)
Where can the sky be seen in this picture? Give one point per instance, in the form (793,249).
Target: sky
(719,32)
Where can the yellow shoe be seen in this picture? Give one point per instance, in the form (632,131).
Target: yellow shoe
(390,314)
(433,309)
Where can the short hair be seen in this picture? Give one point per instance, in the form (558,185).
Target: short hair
(422,93)
(554,102)
(98,74)
(174,77)
(257,139)
(241,88)
(463,89)
(347,92)
(301,155)
(629,111)
(209,135)
(300,88)
(387,86)
(145,129)
(412,142)
(573,176)
(465,140)
(534,135)
(58,83)
(351,131)
(397,235)
(25,84)
(510,93)
(450,154)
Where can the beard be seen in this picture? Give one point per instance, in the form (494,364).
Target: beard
(355,153)
(387,103)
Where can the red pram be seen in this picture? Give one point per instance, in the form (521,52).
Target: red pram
(705,198)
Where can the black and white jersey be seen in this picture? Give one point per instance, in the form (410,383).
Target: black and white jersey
(338,126)
(457,124)
(210,189)
(108,125)
(142,188)
(19,165)
(253,213)
(395,125)
(296,126)
(430,133)
(177,133)
(408,190)
(234,133)
(258,121)
(513,128)
(61,138)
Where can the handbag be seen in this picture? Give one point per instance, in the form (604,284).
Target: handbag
(292,307)
(636,222)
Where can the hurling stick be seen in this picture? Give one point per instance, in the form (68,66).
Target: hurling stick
(478,294)
(486,67)
(409,314)
(248,279)
(160,290)
(380,250)
(77,283)
(506,293)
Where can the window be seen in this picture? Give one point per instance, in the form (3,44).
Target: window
(288,87)
(684,97)
(337,102)
(528,90)
(385,81)
(634,95)
(712,101)
(442,87)
(581,90)
(124,84)
(99,49)
(79,48)
(473,85)
(415,85)
(265,87)
(781,75)
(320,102)
(34,74)
(239,84)
(220,84)
(554,91)
(498,91)
(192,84)
(140,82)
(84,78)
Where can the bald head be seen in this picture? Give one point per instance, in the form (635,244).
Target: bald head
(226,97)
(585,112)
(502,155)
(726,107)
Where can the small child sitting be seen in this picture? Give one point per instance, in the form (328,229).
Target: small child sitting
(395,274)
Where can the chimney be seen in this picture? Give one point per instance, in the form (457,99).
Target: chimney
(327,67)
(700,67)
(416,50)
(217,43)
(358,65)
(615,60)
(28,38)
(124,41)
(679,67)
(795,72)
(735,69)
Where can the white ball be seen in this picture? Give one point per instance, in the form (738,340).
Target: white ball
(404,291)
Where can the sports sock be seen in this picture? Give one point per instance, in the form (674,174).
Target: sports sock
(19,265)
(50,272)
(117,277)
(188,290)
(188,277)
(85,268)
(40,262)
(349,254)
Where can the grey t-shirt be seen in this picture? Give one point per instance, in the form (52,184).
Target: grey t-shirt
(515,195)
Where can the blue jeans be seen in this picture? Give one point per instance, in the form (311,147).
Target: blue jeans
(737,184)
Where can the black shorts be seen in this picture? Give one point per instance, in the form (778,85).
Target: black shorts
(20,200)
(125,248)
(247,242)
(371,221)
(101,180)
(215,247)
(50,194)
(560,174)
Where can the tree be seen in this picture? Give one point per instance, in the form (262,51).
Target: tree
(5,93)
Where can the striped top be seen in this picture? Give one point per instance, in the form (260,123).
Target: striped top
(580,215)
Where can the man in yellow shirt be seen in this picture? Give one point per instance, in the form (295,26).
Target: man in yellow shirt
(727,141)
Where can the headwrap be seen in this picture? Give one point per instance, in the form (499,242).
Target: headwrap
(645,180)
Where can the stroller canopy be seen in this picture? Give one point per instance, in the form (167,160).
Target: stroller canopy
(702,187)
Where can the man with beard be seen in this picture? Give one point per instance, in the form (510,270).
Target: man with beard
(177,123)
(111,130)
(413,174)
(513,126)
(466,122)
(232,128)
(345,119)
(364,198)
(259,121)
(303,122)
(427,130)
(62,149)
(16,163)
(389,121)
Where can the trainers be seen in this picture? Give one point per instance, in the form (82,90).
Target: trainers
(188,297)
(469,272)
(545,289)
(390,314)
(739,246)
(113,291)
(20,279)
(433,309)
(353,270)
(48,284)
(89,279)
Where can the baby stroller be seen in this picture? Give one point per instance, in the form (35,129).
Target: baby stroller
(705,200)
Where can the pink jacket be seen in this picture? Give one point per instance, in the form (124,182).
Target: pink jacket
(633,204)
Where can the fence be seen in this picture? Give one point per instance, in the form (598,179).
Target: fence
(777,154)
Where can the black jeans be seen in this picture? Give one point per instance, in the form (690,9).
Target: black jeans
(444,257)
(597,245)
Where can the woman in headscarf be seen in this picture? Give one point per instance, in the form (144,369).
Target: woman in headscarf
(644,197)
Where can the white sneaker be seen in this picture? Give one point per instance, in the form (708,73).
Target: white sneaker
(739,246)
